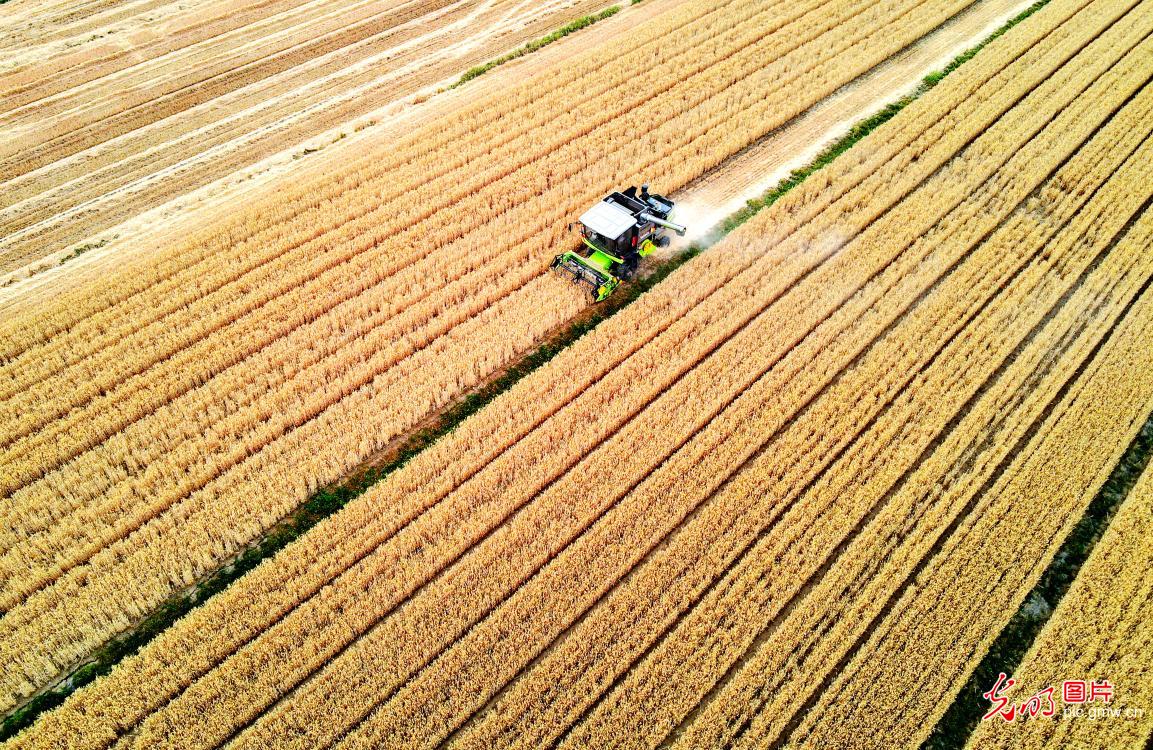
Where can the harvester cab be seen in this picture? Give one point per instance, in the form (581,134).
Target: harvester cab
(617,232)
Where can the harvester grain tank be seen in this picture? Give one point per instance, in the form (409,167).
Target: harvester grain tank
(616,233)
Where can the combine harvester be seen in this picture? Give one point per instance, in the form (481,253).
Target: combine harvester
(619,231)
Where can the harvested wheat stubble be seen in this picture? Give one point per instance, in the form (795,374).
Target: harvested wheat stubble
(1101,630)
(103,109)
(40,77)
(182,530)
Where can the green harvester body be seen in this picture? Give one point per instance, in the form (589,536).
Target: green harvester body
(619,231)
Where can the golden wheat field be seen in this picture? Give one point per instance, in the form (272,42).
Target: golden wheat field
(310,447)
(1103,628)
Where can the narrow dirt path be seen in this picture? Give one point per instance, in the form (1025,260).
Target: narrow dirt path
(702,204)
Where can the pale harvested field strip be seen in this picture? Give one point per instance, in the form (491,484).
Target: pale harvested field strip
(563,579)
(169,74)
(1102,629)
(252,472)
(139,182)
(150,179)
(108,108)
(229,693)
(692,654)
(344,68)
(1067,462)
(72,55)
(301,68)
(29,22)
(25,21)
(45,75)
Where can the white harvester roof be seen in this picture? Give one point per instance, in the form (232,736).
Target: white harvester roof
(608,219)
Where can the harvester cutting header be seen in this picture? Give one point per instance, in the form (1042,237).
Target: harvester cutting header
(618,232)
